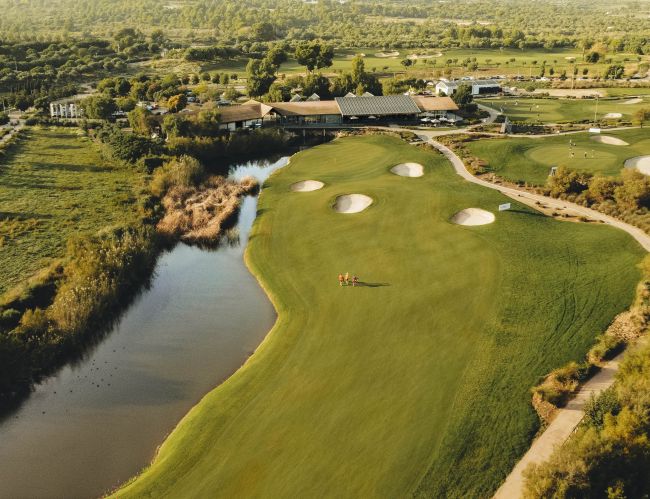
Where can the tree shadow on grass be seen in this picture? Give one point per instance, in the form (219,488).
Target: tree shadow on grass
(534,213)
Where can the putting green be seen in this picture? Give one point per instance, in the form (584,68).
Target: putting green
(530,160)
(416,382)
(545,110)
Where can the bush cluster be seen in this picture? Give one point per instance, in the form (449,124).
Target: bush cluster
(49,320)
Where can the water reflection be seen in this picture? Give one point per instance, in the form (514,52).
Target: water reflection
(99,420)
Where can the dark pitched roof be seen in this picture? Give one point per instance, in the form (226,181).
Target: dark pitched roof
(385,105)
(491,83)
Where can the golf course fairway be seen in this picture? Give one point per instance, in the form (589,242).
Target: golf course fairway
(418,381)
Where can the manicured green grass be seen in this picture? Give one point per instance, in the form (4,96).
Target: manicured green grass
(491,61)
(417,382)
(54,185)
(529,160)
(620,92)
(563,110)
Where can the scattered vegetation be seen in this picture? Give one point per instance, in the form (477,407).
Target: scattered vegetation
(609,455)
(76,242)
(50,320)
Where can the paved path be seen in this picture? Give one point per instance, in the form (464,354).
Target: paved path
(493,113)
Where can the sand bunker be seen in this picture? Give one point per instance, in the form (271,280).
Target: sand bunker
(352,203)
(567,92)
(607,139)
(638,100)
(415,57)
(612,116)
(408,170)
(307,186)
(641,163)
(473,216)
(386,54)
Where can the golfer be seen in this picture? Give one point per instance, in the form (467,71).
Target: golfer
(340,279)
(347,278)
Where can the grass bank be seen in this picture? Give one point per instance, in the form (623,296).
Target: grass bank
(417,382)
(53,185)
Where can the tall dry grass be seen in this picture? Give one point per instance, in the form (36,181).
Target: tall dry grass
(200,213)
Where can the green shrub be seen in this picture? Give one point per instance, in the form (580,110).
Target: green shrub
(597,408)
(184,171)
(607,346)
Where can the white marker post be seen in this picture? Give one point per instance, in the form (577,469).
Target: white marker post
(504,207)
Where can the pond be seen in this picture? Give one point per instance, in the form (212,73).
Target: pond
(99,421)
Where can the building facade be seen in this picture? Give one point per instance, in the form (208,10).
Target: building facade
(65,110)
(342,110)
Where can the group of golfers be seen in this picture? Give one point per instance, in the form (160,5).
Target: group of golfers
(572,152)
(344,280)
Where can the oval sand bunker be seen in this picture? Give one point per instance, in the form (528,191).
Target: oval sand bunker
(408,170)
(607,139)
(307,186)
(641,163)
(352,203)
(473,216)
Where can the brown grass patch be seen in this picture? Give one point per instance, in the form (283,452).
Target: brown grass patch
(199,214)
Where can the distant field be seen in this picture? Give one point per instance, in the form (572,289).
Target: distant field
(616,92)
(563,110)
(530,160)
(54,185)
(491,61)
(417,383)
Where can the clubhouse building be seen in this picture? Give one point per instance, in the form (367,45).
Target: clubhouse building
(341,111)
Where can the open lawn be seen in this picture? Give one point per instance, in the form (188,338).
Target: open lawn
(546,110)
(491,61)
(417,381)
(629,92)
(54,185)
(530,159)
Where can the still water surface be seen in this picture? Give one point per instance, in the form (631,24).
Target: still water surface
(99,421)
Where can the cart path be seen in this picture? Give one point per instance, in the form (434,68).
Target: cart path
(560,429)
(531,199)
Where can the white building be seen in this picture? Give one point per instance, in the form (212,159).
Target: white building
(482,87)
(446,87)
(65,110)
(479,87)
